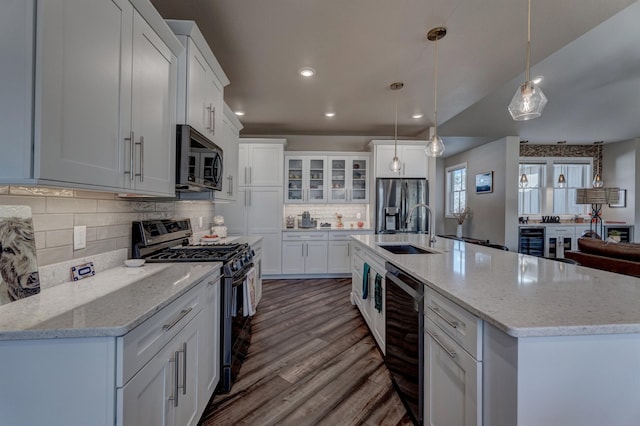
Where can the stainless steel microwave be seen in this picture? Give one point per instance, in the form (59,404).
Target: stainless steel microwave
(198,161)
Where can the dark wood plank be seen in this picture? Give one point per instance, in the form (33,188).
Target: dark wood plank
(312,360)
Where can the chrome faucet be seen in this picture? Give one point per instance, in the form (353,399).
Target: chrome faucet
(432,237)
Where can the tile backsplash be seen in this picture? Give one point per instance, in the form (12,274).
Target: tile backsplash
(327,212)
(107,218)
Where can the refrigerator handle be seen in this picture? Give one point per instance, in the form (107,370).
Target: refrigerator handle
(403,205)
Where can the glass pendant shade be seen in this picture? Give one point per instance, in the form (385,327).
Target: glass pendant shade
(435,146)
(561,180)
(528,102)
(395,165)
(524,182)
(597,181)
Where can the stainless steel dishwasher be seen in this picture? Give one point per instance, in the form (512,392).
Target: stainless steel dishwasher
(404,338)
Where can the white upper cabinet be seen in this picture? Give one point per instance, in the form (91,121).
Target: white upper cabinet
(231,137)
(104,71)
(348,179)
(261,162)
(305,179)
(201,83)
(412,156)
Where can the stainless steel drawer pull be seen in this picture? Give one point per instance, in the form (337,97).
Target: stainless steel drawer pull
(230,179)
(141,174)
(436,311)
(184,368)
(176,377)
(449,352)
(181,315)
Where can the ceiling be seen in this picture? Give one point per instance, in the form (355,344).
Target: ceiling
(586,50)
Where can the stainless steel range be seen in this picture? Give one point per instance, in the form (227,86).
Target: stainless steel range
(167,240)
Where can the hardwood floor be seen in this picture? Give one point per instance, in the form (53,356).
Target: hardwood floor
(312,361)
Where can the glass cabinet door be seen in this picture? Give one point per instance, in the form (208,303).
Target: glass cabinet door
(338,170)
(358,172)
(294,181)
(317,192)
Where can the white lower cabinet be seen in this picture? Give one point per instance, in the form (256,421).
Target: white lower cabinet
(304,253)
(209,349)
(374,318)
(452,364)
(165,391)
(340,247)
(453,382)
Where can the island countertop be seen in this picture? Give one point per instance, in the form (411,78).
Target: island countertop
(522,295)
(111,303)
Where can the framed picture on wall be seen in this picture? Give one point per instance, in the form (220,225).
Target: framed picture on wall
(622,199)
(484,182)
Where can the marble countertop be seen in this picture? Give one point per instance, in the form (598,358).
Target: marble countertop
(111,303)
(522,295)
(328,228)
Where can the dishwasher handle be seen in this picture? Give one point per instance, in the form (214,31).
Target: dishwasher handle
(405,281)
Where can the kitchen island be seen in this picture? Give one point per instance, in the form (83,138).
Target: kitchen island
(558,344)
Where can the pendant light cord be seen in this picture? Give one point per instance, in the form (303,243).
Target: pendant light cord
(527,76)
(435,94)
(395,150)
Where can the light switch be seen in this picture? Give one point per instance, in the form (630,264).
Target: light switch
(79,237)
(200,222)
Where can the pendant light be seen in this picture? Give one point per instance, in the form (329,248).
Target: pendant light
(562,182)
(524,181)
(435,146)
(528,101)
(597,179)
(396,165)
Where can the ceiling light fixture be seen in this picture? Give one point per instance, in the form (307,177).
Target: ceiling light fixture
(562,181)
(395,164)
(417,116)
(329,114)
(529,101)
(435,146)
(307,72)
(239,113)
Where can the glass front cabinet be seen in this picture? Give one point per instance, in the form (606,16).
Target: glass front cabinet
(348,179)
(305,179)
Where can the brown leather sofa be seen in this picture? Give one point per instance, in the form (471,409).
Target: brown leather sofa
(622,258)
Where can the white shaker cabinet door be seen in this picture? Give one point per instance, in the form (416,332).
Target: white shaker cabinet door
(82,85)
(316,257)
(414,161)
(153,97)
(293,257)
(198,117)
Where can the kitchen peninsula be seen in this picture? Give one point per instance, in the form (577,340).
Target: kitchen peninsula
(557,344)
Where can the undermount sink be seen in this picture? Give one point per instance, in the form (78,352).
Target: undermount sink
(403,249)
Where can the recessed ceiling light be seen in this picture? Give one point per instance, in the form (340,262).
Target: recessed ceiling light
(537,79)
(307,72)
(239,113)
(329,114)
(418,115)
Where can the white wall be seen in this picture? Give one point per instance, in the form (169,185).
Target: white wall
(107,218)
(494,215)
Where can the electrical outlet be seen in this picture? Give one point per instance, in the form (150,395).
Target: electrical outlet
(200,222)
(79,237)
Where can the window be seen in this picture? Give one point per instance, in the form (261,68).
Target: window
(564,197)
(530,194)
(456,188)
(543,195)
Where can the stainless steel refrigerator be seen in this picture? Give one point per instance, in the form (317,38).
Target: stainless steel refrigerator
(394,199)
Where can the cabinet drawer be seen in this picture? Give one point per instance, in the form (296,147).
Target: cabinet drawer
(137,347)
(304,236)
(462,326)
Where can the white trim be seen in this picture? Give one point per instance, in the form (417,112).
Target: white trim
(455,167)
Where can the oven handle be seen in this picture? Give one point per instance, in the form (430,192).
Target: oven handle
(242,275)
